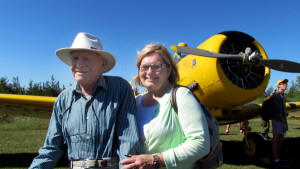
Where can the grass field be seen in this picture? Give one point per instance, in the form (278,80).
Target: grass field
(21,139)
(234,156)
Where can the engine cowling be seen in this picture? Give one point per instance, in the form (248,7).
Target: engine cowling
(225,83)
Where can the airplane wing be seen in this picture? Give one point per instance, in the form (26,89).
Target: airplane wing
(246,111)
(25,105)
(236,114)
(292,105)
(41,107)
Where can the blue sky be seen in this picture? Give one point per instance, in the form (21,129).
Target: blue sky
(32,30)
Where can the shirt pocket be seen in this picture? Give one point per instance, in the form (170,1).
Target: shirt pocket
(79,137)
(75,133)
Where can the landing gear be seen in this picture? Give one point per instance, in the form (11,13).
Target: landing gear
(253,142)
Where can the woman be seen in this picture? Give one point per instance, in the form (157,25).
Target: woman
(168,139)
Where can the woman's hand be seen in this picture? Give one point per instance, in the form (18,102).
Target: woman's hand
(138,162)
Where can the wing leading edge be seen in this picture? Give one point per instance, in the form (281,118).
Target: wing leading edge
(25,105)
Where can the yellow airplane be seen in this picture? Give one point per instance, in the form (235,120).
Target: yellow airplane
(225,72)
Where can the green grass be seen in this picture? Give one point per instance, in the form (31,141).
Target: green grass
(23,135)
(21,138)
(294,126)
(234,156)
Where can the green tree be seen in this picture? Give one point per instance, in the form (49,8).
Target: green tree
(4,85)
(298,83)
(54,87)
(290,93)
(16,87)
(29,90)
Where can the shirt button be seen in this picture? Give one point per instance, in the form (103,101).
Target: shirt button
(87,137)
(87,118)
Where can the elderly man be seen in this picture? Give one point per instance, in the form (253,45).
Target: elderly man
(96,118)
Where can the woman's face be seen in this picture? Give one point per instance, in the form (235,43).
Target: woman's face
(153,72)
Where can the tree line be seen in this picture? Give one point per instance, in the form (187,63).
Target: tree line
(48,88)
(52,88)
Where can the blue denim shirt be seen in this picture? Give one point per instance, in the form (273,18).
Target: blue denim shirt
(102,126)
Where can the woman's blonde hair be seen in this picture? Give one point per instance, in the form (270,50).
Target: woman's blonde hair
(167,59)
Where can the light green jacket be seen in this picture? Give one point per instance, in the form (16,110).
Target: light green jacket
(183,138)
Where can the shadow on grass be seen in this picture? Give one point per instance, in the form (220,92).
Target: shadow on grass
(234,154)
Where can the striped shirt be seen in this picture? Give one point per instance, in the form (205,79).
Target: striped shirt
(103,125)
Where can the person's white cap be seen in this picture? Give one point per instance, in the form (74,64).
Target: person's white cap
(85,41)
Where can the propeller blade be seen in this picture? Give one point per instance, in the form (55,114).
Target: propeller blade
(281,65)
(205,53)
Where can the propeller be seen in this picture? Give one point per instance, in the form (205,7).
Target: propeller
(248,57)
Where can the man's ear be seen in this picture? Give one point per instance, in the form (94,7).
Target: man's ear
(104,63)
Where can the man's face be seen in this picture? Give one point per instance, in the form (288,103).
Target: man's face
(87,66)
(283,86)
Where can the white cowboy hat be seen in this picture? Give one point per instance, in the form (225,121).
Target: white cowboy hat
(85,41)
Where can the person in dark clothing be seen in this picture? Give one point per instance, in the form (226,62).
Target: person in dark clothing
(265,123)
(279,122)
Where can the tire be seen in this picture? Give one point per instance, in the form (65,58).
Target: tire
(255,144)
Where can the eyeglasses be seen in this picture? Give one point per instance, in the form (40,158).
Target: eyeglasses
(154,67)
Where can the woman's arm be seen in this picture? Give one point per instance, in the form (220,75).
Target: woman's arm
(194,126)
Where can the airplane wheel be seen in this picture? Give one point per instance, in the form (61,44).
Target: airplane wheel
(255,144)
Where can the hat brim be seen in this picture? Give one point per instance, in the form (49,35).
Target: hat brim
(285,81)
(64,55)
